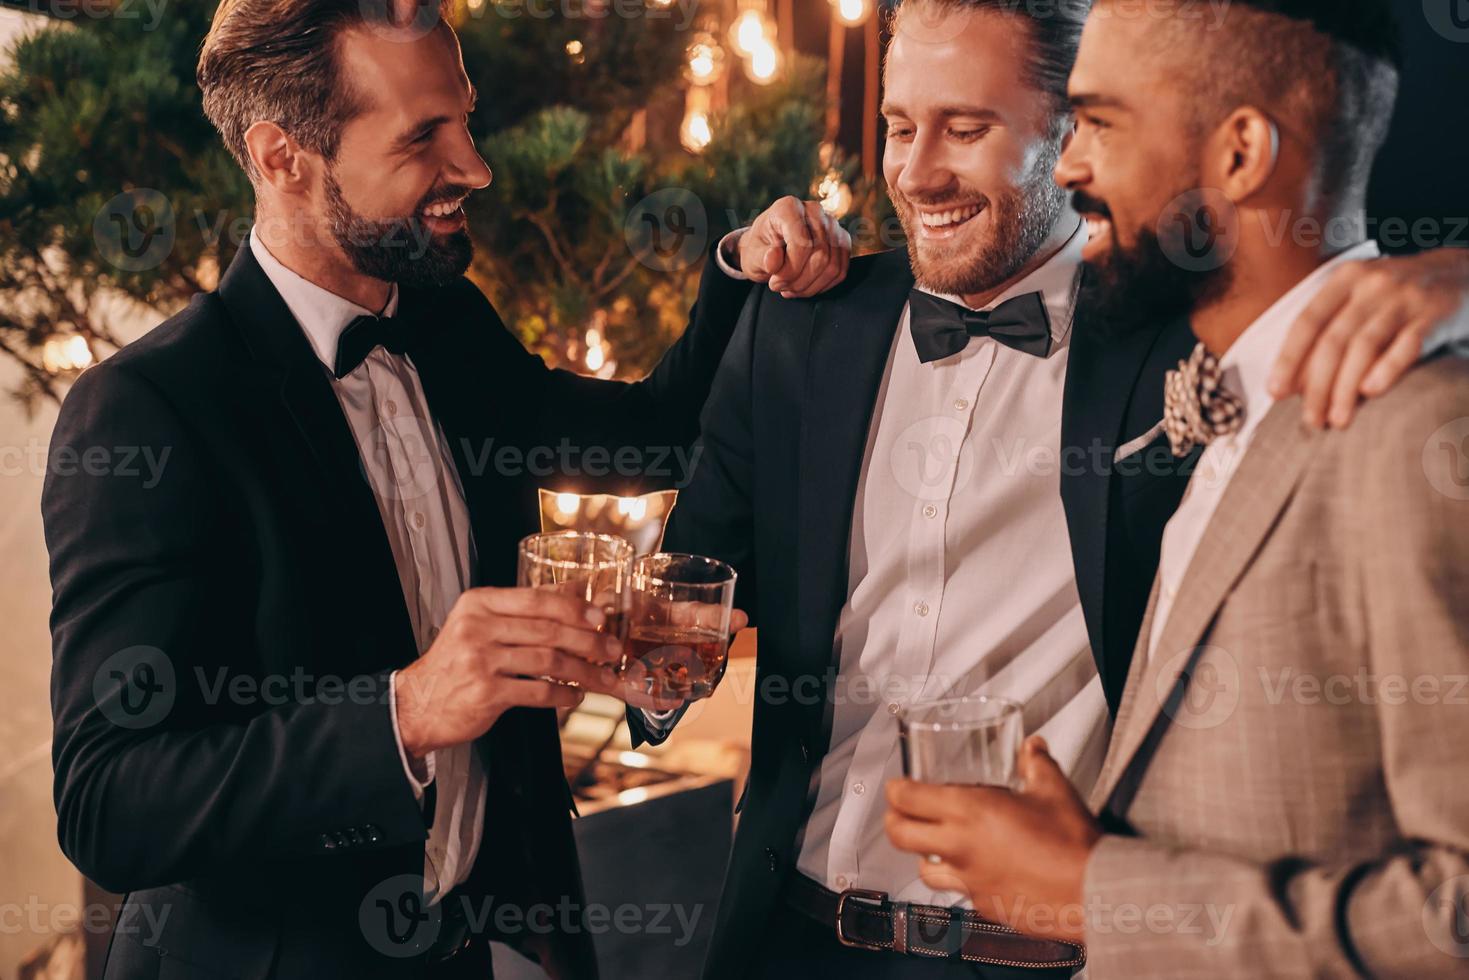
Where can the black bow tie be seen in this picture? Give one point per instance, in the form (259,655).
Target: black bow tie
(942,329)
(367,333)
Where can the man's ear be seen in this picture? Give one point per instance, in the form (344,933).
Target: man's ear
(1243,154)
(279,160)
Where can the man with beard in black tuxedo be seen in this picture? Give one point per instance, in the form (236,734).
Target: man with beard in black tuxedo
(300,720)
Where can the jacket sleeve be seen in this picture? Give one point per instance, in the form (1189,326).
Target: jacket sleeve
(644,431)
(1401,913)
(715,512)
(158,777)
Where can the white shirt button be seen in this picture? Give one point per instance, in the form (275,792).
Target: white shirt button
(960,404)
(859,788)
(419,520)
(893,708)
(841,883)
(930,511)
(921,608)
(390,408)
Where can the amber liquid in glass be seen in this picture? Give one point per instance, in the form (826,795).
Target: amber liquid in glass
(681,662)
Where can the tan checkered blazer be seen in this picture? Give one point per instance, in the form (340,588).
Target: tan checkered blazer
(1294,755)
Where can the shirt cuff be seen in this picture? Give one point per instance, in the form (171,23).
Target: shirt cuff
(730,245)
(418,786)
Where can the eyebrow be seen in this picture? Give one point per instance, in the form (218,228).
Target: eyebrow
(1089,100)
(408,136)
(948,112)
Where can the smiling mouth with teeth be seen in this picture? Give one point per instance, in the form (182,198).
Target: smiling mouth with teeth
(444,209)
(941,221)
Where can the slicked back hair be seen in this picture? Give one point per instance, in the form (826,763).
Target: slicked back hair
(278,61)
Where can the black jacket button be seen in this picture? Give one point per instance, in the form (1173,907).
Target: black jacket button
(773,858)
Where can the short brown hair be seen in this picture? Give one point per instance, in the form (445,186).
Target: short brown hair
(277,60)
(1055,28)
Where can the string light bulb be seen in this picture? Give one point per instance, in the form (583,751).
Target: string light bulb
(852,12)
(66,352)
(696,131)
(749,32)
(763,64)
(834,193)
(706,60)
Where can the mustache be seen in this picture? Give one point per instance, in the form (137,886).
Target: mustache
(944,201)
(1084,203)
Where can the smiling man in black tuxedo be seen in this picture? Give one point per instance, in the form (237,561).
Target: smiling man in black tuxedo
(299,719)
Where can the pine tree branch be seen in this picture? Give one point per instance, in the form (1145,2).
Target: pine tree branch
(44,380)
(543,224)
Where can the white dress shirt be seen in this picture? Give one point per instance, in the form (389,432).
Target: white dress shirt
(960,579)
(418,493)
(1244,371)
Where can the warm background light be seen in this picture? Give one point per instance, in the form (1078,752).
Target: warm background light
(852,12)
(764,63)
(748,32)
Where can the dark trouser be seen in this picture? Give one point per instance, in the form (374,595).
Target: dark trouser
(795,946)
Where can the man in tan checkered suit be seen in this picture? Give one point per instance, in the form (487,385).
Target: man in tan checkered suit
(1285,792)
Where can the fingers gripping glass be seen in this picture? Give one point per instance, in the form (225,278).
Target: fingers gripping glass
(593,567)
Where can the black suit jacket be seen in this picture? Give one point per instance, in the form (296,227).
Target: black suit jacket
(257,821)
(784,434)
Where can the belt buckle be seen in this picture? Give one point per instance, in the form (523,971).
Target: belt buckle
(866,895)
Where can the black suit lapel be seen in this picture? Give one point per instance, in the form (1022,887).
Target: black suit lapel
(1113,395)
(851,338)
(323,468)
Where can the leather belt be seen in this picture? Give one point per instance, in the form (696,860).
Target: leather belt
(868,920)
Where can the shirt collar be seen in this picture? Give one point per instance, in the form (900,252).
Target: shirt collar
(1056,280)
(1247,364)
(321,313)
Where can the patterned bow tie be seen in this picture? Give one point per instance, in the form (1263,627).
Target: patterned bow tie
(367,333)
(1196,409)
(941,328)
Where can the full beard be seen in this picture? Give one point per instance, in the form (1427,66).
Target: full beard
(1139,287)
(400,250)
(1020,221)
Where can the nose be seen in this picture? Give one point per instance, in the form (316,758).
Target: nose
(924,172)
(466,167)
